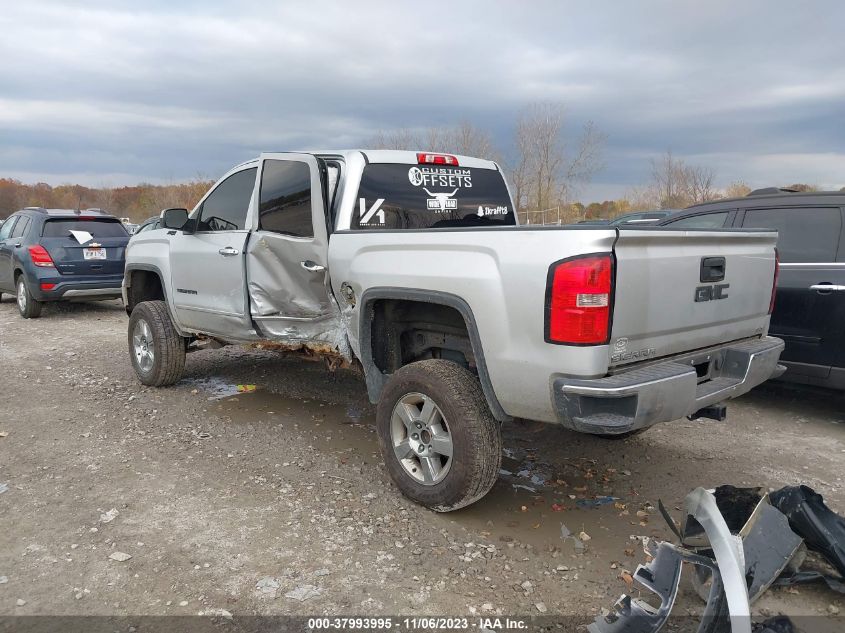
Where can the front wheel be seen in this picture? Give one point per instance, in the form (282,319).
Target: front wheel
(155,347)
(28,306)
(441,445)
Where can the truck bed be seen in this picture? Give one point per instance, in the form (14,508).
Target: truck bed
(502,276)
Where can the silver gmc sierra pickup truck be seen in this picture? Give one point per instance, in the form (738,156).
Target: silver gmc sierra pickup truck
(412,266)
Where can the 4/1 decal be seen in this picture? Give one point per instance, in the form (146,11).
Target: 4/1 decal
(366,215)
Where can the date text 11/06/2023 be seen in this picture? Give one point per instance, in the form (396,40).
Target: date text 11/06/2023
(417,623)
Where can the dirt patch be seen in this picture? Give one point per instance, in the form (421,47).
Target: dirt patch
(228,500)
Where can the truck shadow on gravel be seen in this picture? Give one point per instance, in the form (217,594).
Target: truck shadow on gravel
(559,491)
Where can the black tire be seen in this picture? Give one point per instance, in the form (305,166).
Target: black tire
(168,347)
(475,435)
(620,436)
(31,308)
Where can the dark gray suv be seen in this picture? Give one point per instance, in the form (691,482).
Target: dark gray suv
(59,254)
(809,310)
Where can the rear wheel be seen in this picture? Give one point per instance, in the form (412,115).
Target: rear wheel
(155,347)
(28,306)
(441,445)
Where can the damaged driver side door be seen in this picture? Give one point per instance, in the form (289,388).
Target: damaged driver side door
(287,253)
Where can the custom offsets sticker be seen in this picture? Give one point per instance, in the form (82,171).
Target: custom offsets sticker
(436,177)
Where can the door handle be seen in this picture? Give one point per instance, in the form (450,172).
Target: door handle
(228,251)
(18,245)
(312,267)
(826,288)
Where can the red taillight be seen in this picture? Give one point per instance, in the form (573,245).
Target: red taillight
(40,256)
(46,286)
(578,300)
(424,158)
(775,282)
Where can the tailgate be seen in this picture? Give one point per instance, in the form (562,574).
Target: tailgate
(678,291)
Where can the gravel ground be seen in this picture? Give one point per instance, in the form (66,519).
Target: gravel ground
(126,500)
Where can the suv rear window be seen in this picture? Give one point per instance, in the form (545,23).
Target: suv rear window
(105,227)
(393,196)
(805,235)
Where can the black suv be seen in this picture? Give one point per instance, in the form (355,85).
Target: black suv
(809,310)
(55,254)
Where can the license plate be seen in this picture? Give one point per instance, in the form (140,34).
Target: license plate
(94,253)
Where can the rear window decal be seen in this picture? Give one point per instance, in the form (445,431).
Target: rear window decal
(442,201)
(440,177)
(485,210)
(402,196)
(366,215)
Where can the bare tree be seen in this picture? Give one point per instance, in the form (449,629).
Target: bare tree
(667,177)
(737,189)
(676,184)
(402,138)
(464,138)
(546,172)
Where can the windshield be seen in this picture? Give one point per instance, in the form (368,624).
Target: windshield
(393,196)
(99,227)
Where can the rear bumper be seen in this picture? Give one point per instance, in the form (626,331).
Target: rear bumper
(665,391)
(100,287)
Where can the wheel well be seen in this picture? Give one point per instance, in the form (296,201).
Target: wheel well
(404,331)
(144,285)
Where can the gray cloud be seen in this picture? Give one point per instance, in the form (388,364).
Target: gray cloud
(114,92)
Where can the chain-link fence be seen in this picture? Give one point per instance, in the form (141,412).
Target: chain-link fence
(554,215)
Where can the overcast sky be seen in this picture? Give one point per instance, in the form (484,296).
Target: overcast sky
(123,92)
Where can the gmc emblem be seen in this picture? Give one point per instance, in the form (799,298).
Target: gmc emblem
(711,293)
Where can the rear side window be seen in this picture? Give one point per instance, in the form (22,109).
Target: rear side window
(7,227)
(804,235)
(395,196)
(61,227)
(285,205)
(21,227)
(225,208)
(704,221)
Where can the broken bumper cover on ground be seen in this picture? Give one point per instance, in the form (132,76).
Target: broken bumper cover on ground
(660,392)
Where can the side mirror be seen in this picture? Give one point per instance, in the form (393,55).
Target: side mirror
(174,218)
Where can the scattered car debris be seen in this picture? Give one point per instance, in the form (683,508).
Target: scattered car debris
(661,577)
(3,488)
(120,557)
(768,543)
(740,542)
(596,502)
(822,529)
(245,388)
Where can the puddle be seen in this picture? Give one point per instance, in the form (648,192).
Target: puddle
(343,429)
(217,388)
(551,516)
(542,499)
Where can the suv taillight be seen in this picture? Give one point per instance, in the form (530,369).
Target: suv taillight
(40,256)
(578,300)
(775,282)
